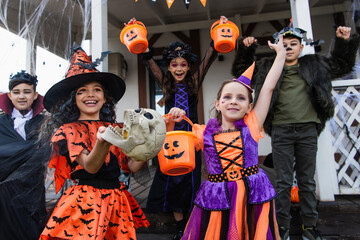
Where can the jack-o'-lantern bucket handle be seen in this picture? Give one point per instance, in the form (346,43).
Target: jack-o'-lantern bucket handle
(224,36)
(168,116)
(177,156)
(133,35)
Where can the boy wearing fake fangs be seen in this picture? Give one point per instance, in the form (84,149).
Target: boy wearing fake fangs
(300,106)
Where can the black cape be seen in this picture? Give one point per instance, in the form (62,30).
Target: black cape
(22,169)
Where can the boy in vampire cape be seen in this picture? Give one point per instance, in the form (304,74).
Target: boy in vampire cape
(22,192)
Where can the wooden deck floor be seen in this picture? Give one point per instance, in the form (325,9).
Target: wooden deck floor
(140,184)
(338,220)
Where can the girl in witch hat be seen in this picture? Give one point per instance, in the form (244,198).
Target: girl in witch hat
(236,202)
(98,206)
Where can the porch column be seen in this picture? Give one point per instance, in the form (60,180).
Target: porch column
(300,14)
(99,32)
(325,175)
(30,58)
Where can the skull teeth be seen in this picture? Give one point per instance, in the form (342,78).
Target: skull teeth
(114,130)
(117,131)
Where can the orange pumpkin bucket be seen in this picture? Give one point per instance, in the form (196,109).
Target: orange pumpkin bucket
(177,156)
(294,197)
(133,35)
(224,36)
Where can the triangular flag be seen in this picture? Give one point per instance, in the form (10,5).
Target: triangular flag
(203,2)
(187,3)
(169,3)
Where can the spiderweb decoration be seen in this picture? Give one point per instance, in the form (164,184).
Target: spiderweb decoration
(52,25)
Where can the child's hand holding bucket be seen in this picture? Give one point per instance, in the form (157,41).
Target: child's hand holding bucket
(174,115)
(223,19)
(133,35)
(177,114)
(131,21)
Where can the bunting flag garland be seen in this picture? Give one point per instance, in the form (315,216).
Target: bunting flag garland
(187,3)
(169,3)
(203,2)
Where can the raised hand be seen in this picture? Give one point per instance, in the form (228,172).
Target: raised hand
(131,21)
(278,47)
(223,19)
(343,32)
(248,41)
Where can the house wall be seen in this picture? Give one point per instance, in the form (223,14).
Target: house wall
(219,71)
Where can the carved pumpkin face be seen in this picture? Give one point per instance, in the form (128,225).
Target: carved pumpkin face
(233,174)
(130,35)
(226,32)
(174,150)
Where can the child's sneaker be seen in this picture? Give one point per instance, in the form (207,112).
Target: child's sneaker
(178,235)
(311,233)
(284,233)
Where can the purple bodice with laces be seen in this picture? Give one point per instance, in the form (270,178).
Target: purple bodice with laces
(215,195)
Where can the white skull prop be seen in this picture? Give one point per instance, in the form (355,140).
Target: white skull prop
(141,137)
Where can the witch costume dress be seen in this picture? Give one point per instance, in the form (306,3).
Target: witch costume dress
(22,192)
(98,206)
(236,201)
(176,193)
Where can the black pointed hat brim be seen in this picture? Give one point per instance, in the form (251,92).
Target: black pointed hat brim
(114,85)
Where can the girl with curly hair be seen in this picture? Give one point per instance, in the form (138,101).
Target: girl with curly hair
(81,107)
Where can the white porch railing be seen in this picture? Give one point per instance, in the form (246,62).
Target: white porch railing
(345,131)
(338,157)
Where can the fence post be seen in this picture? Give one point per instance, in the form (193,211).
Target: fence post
(325,175)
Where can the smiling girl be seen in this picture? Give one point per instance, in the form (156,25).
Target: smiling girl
(180,86)
(236,202)
(98,206)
